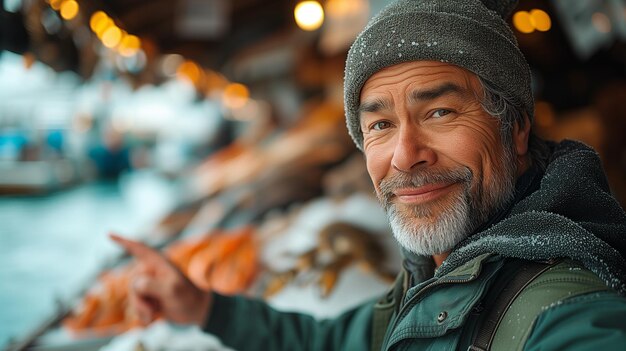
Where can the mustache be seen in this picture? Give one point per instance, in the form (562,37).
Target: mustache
(420,178)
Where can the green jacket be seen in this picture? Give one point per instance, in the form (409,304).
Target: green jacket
(564,212)
(593,320)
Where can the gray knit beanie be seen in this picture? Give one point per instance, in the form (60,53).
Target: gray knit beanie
(468,33)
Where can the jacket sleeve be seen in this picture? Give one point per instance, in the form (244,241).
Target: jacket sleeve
(247,324)
(595,321)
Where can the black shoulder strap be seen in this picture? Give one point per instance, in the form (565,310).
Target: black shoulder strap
(494,311)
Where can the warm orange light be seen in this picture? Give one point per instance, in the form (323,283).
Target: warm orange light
(100,22)
(235,96)
(522,22)
(528,22)
(129,45)
(540,20)
(107,23)
(111,37)
(309,15)
(97,19)
(189,70)
(69,9)
(56,4)
(342,8)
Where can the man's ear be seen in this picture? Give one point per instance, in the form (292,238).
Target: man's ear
(520,136)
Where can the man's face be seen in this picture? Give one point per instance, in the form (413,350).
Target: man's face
(435,156)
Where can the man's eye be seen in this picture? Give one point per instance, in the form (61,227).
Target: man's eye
(441,112)
(381,125)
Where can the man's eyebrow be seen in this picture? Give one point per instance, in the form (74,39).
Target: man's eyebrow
(374,105)
(432,94)
(379,104)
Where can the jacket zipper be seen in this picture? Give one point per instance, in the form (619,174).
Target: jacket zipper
(412,301)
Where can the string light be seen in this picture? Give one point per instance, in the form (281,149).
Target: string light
(527,22)
(111,37)
(521,21)
(97,21)
(56,4)
(69,9)
(129,45)
(540,20)
(101,24)
(189,70)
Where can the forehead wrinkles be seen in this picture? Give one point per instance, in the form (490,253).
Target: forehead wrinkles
(413,76)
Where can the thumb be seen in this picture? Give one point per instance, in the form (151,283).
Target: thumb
(146,298)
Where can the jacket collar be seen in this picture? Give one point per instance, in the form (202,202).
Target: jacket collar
(456,295)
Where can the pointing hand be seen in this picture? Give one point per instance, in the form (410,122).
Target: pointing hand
(158,288)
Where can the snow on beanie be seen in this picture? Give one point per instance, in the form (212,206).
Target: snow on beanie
(471,34)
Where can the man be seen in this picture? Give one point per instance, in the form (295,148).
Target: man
(510,242)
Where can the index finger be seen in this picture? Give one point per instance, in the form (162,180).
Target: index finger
(138,249)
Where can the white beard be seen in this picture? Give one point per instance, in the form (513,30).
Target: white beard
(441,235)
(419,231)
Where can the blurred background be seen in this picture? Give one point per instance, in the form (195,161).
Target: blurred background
(198,123)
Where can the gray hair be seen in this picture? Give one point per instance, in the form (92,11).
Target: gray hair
(500,105)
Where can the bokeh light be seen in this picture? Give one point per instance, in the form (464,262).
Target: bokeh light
(235,96)
(540,20)
(522,22)
(69,9)
(343,8)
(170,63)
(527,22)
(100,24)
(97,20)
(111,37)
(309,15)
(129,45)
(189,70)
(56,4)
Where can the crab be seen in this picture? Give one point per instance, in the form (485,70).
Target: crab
(339,246)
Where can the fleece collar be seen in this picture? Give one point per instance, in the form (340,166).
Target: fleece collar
(570,213)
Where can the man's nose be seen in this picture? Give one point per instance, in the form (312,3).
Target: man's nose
(412,151)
